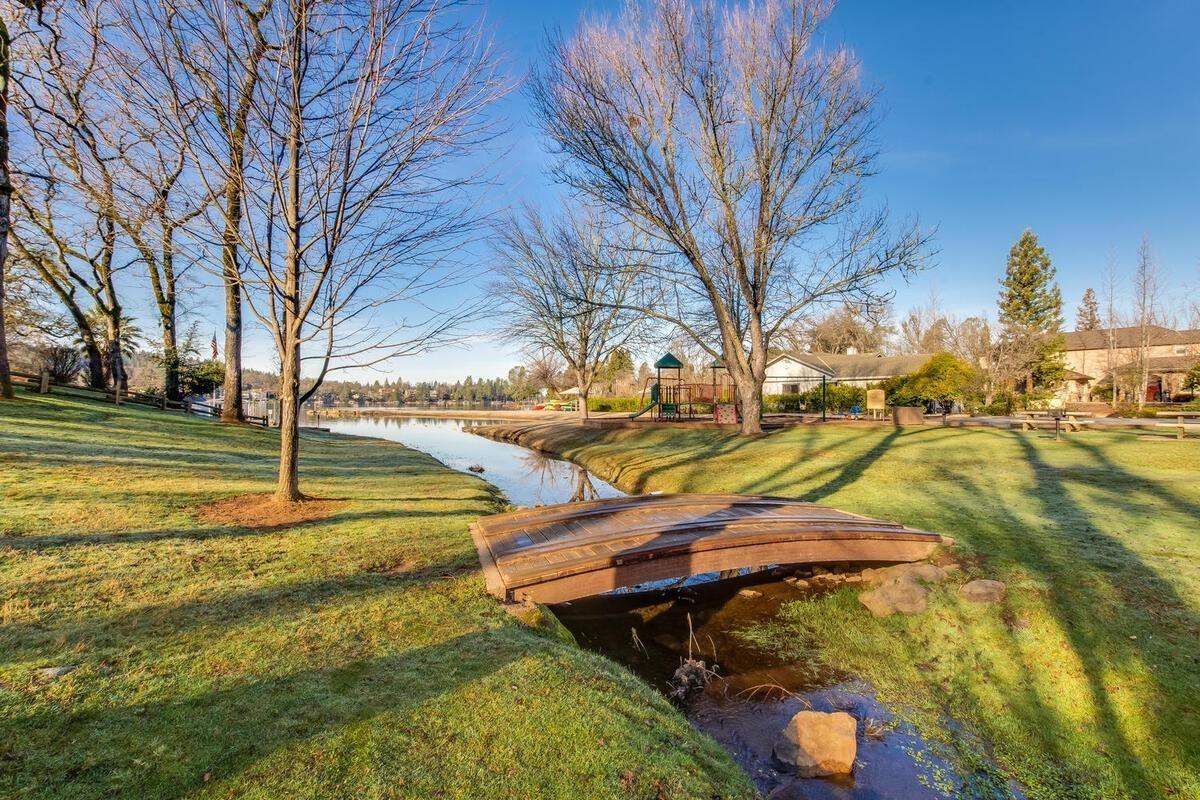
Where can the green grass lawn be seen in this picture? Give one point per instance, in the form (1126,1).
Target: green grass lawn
(1085,681)
(356,656)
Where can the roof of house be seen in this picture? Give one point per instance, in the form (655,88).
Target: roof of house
(861,366)
(1127,337)
(1172,363)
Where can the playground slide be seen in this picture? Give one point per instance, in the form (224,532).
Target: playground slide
(643,411)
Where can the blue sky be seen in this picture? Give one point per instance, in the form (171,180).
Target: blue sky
(1080,120)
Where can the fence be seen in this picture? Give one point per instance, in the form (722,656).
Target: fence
(43,384)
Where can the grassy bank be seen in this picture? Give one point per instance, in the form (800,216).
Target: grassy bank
(1085,681)
(354,655)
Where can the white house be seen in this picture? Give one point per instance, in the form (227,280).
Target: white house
(794,372)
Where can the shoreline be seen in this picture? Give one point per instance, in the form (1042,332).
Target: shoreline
(445,413)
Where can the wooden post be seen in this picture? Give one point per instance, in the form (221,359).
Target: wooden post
(44,385)
(187,406)
(1181,428)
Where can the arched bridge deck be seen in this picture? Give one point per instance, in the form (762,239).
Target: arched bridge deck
(563,552)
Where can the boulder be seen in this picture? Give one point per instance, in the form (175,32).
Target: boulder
(816,744)
(928,573)
(983,591)
(905,596)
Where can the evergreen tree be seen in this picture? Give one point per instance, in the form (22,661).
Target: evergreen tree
(1087,318)
(1031,312)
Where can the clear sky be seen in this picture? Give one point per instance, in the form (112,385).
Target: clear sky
(1080,120)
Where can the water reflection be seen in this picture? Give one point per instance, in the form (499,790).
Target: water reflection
(526,477)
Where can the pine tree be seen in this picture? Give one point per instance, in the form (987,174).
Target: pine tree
(1087,317)
(1031,312)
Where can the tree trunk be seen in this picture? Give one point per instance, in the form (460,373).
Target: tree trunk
(231,406)
(749,394)
(6,189)
(116,362)
(582,410)
(288,488)
(171,362)
(289,331)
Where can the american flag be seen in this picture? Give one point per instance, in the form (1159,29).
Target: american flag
(214,345)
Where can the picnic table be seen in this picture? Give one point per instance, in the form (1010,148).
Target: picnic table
(1034,419)
(1182,425)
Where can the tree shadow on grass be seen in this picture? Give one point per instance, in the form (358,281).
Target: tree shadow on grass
(165,748)
(58,639)
(1080,586)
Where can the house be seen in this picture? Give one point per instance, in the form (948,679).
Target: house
(795,372)
(1091,357)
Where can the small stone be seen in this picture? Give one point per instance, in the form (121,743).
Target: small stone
(898,596)
(799,583)
(52,673)
(947,541)
(819,571)
(750,593)
(816,744)
(983,591)
(476,468)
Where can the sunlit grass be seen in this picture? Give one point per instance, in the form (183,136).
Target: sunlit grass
(1085,681)
(356,656)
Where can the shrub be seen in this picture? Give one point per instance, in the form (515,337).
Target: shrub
(200,377)
(630,404)
(943,377)
(63,363)
(839,398)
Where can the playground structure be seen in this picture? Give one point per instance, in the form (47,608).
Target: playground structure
(671,399)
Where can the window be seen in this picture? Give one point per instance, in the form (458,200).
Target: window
(791,388)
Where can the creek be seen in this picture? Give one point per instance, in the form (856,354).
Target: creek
(750,695)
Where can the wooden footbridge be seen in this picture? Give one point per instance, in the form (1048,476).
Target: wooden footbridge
(563,552)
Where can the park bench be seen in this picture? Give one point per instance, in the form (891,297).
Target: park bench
(1185,422)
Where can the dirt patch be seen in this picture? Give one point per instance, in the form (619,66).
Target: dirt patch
(262,512)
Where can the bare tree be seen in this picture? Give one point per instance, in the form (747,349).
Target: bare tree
(154,200)
(566,286)
(66,223)
(6,191)
(1146,309)
(847,328)
(212,59)
(739,149)
(977,341)
(925,329)
(352,199)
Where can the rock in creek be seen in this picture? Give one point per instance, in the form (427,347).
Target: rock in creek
(927,573)
(983,591)
(816,744)
(904,596)
(749,593)
(899,588)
